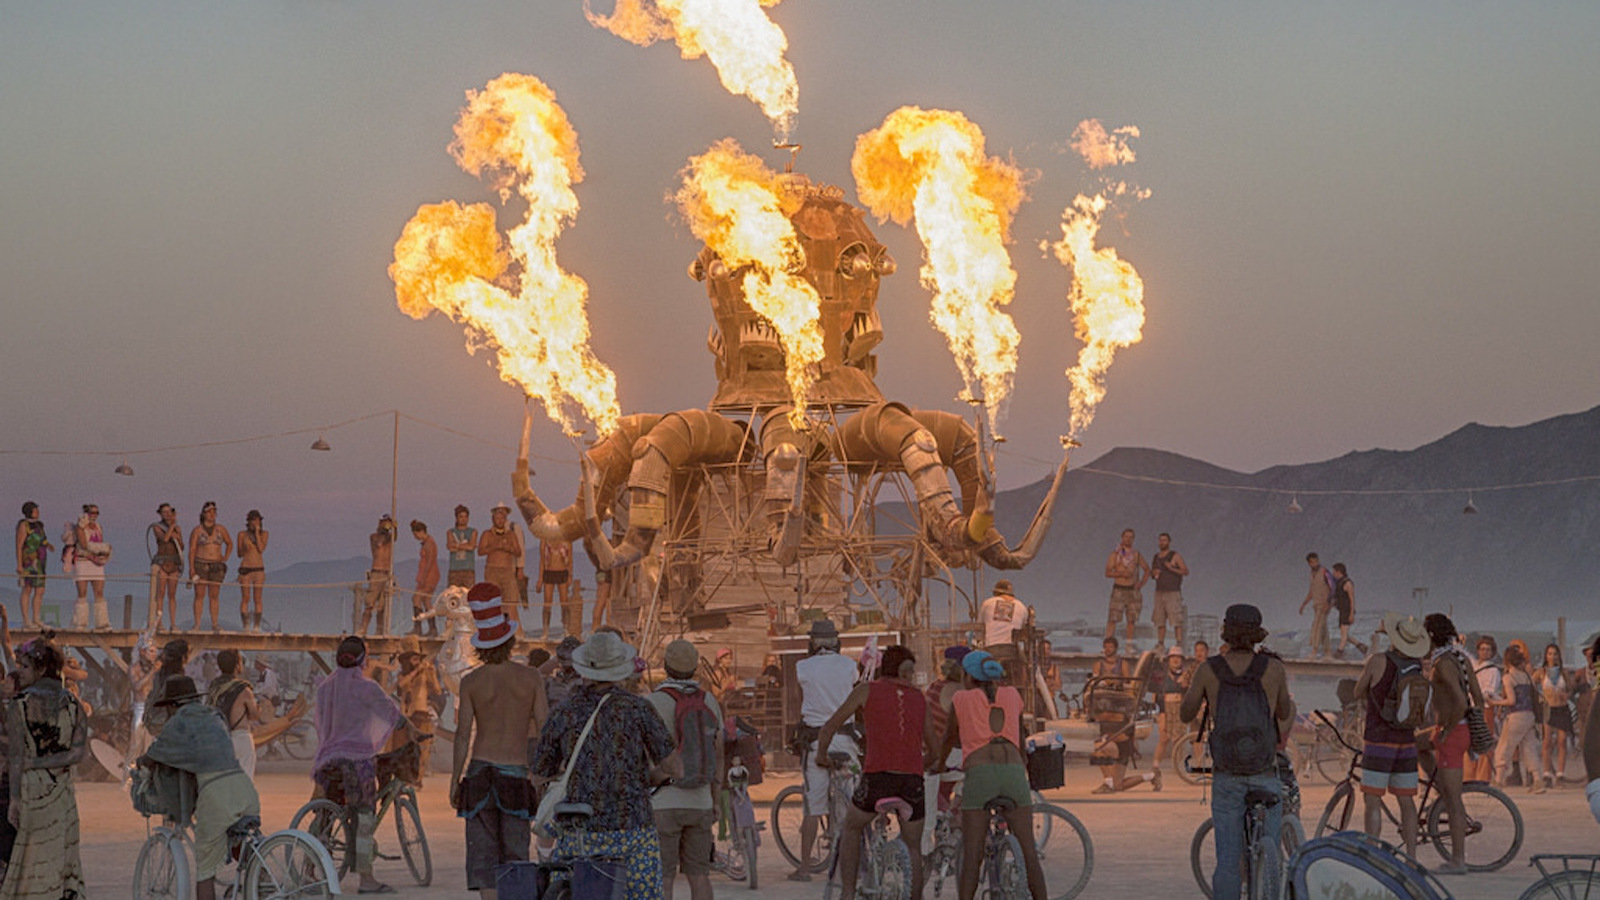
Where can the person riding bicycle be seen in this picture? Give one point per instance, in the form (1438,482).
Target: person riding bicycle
(355,718)
(826,678)
(196,741)
(987,723)
(627,752)
(900,746)
(1247,693)
(684,814)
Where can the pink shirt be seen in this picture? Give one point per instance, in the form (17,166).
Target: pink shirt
(972,715)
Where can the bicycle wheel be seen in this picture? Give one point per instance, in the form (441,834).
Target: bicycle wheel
(788,811)
(413,840)
(325,821)
(1565,886)
(729,860)
(1183,750)
(1340,811)
(893,861)
(162,872)
(1202,857)
(943,863)
(1494,827)
(1068,861)
(300,741)
(747,848)
(289,865)
(1003,871)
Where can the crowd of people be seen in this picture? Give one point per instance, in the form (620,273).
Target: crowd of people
(209,548)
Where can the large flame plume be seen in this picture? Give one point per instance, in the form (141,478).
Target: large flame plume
(744,45)
(451,258)
(1107,294)
(930,166)
(738,206)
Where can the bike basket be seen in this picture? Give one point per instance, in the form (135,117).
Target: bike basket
(403,763)
(1047,768)
(591,878)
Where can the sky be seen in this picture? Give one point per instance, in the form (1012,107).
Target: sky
(1368,224)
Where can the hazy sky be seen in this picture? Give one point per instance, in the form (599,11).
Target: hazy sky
(1370,223)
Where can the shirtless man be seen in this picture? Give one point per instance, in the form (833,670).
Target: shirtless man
(416,687)
(1128,571)
(209,546)
(166,565)
(427,577)
(502,709)
(555,571)
(231,695)
(252,569)
(379,576)
(501,547)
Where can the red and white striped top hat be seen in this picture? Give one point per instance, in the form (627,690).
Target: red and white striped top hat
(494,628)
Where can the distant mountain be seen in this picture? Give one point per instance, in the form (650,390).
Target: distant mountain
(1529,553)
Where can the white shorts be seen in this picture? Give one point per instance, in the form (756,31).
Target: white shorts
(85,569)
(816,777)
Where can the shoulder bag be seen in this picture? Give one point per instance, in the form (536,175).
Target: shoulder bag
(555,793)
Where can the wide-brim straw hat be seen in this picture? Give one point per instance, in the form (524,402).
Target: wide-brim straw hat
(604,657)
(1407,635)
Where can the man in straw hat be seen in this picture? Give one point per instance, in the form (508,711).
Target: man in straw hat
(627,752)
(1247,694)
(502,707)
(195,740)
(826,678)
(1389,752)
(354,719)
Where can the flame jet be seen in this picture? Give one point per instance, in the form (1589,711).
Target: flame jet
(452,259)
(734,203)
(744,45)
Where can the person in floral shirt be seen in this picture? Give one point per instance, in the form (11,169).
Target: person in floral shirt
(627,752)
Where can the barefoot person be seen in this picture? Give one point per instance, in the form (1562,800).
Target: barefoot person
(379,577)
(555,573)
(90,556)
(166,565)
(501,549)
(209,546)
(252,570)
(502,709)
(1442,749)
(33,554)
(427,576)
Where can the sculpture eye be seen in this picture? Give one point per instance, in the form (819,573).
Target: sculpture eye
(885,264)
(855,261)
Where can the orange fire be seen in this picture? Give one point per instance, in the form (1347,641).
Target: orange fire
(452,259)
(741,209)
(1101,148)
(744,45)
(930,166)
(1107,298)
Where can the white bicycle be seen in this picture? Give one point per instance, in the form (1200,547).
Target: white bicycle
(285,865)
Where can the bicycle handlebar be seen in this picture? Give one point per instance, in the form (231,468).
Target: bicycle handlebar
(1333,726)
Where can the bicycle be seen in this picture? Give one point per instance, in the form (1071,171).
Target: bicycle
(1060,840)
(335,825)
(286,865)
(885,864)
(737,823)
(1570,882)
(1002,876)
(1291,835)
(788,812)
(561,876)
(1494,824)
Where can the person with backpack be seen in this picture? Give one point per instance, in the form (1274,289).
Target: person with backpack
(900,743)
(1443,749)
(1394,691)
(1519,726)
(684,808)
(1247,693)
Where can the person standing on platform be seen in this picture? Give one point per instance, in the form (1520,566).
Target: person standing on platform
(167,567)
(502,552)
(89,569)
(33,558)
(555,571)
(462,543)
(502,710)
(1004,617)
(427,577)
(1169,570)
(1128,571)
(380,577)
(252,570)
(209,547)
(1319,596)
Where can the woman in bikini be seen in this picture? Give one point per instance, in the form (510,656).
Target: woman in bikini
(167,564)
(252,571)
(90,555)
(209,546)
(33,553)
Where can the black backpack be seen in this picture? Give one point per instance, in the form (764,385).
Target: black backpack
(1244,738)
